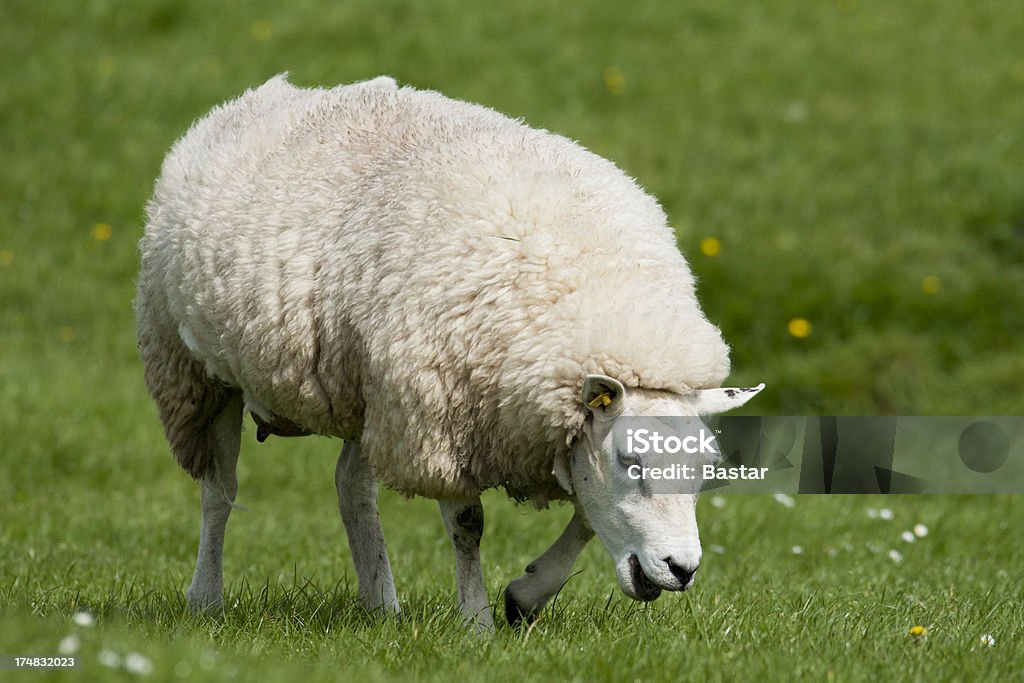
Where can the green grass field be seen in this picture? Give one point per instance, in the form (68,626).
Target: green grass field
(846,178)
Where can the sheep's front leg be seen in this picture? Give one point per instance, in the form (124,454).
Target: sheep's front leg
(464,520)
(357,501)
(218,490)
(545,576)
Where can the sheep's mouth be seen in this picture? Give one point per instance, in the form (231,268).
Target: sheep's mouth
(644,589)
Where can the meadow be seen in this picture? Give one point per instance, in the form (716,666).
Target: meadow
(846,180)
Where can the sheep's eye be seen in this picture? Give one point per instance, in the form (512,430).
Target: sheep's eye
(628,458)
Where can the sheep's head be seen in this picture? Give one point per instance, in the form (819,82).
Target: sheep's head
(650,530)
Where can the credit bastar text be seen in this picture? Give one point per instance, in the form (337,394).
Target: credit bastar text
(690,472)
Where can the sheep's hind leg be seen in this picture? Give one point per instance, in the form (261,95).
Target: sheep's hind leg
(219,486)
(545,576)
(464,520)
(357,501)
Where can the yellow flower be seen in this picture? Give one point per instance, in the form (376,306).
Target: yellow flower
(918,631)
(710,246)
(6,257)
(213,68)
(615,80)
(101,232)
(260,30)
(105,65)
(66,333)
(931,285)
(799,328)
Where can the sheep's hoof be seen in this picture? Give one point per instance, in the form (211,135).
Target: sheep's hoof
(203,604)
(516,614)
(383,610)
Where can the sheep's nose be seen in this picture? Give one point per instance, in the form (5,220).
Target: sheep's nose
(683,574)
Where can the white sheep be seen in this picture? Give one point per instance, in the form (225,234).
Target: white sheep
(466,301)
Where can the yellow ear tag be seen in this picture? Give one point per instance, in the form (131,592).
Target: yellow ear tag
(604,399)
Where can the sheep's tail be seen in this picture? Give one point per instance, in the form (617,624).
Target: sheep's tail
(187,398)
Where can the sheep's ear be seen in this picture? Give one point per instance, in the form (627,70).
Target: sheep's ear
(714,401)
(603,395)
(562,472)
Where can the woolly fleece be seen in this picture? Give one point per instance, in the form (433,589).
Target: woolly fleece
(424,275)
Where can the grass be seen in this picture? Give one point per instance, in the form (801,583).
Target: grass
(859,164)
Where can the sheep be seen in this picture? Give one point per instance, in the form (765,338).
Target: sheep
(466,301)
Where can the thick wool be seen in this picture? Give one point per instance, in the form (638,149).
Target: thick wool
(424,275)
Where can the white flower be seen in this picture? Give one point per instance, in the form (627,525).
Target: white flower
(920,530)
(896,556)
(109,658)
(908,536)
(138,664)
(720,549)
(798,550)
(795,112)
(69,644)
(873,513)
(987,640)
(83,619)
(207,660)
(886,514)
(784,499)
(718,501)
